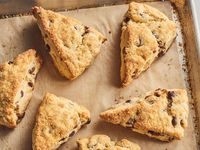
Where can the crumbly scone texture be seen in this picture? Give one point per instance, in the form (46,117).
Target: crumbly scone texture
(57,120)
(17,80)
(73,46)
(161,114)
(146,34)
(103,142)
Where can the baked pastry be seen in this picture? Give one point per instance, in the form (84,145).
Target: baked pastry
(161,114)
(73,46)
(146,34)
(17,79)
(103,142)
(57,120)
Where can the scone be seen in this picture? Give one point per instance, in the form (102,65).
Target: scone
(17,79)
(103,142)
(161,114)
(146,34)
(73,46)
(57,120)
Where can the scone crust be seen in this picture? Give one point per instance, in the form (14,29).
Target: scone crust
(103,142)
(57,120)
(73,46)
(12,73)
(161,114)
(147,34)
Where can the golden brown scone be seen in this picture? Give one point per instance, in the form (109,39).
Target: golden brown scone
(146,34)
(103,142)
(161,114)
(17,79)
(73,46)
(57,120)
(139,50)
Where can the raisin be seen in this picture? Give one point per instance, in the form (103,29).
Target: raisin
(62,140)
(30,84)
(154,33)
(140,42)
(127,19)
(131,122)
(109,32)
(88,122)
(72,133)
(154,51)
(10,62)
(161,53)
(182,123)
(86,30)
(124,50)
(51,20)
(48,47)
(20,117)
(155,133)
(157,94)
(137,112)
(75,28)
(22,93)
(31,70)
(171,138)
(170,95)
(141,14)
(174,121)
(128,101)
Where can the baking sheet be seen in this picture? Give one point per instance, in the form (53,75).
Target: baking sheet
(99,86)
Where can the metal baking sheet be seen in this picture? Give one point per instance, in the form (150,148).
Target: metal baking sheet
(20,31)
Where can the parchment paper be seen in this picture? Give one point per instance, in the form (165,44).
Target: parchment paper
(98,87)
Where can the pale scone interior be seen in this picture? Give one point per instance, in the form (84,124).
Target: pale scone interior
(161,114)
(57,120)
(103,142)
(73,46)
(17,79)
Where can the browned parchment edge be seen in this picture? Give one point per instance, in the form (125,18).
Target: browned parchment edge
(190,62)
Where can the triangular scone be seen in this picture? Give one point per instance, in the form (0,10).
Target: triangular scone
(161,114)
(146,34)
(103,142)
(57,120)
(73,46)
(17,80)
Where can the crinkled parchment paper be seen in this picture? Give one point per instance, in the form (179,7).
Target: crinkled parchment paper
(98,87)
